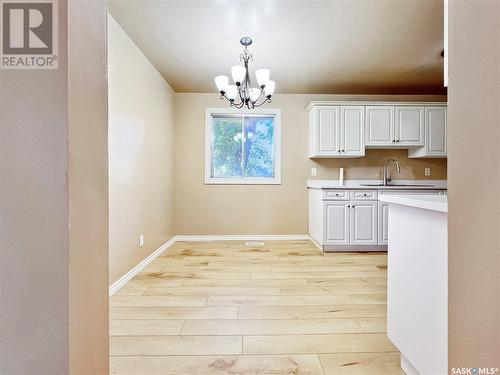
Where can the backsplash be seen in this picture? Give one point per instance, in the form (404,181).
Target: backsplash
(370,167)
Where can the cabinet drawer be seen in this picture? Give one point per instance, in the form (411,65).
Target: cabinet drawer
(359,195)
(341,195)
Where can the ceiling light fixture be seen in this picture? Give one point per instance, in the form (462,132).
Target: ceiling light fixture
(242,93)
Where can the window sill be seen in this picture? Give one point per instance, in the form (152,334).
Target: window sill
(245,181)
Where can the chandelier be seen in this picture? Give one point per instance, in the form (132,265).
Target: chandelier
(242,93)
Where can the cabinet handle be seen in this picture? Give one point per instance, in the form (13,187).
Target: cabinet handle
(348,206)
(353,206)
(337,194)
(364,195)
(397,140)
(343,150)
(393,140)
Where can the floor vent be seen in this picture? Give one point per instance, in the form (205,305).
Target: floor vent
(254,243)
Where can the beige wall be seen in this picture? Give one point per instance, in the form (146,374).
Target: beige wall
(53,271)
(268,209)
(34,212)
(140,155)
(474,184)
(88,188)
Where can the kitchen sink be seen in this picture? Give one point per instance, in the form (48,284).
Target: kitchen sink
(396,185)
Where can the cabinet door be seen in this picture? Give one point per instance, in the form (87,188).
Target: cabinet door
(328,122)
(337,223)
(409,126)
(383,216)
(435,118)
(352,131)
(363,223)
(379,126)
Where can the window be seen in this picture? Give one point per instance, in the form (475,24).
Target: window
(242,147)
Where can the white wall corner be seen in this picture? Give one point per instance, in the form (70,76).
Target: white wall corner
(120,283)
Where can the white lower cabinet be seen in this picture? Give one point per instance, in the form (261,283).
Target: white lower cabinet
(337,223)
(363,223)
(383,215)
(351,223)
(352,219)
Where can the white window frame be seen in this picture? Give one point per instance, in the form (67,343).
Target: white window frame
(209,114)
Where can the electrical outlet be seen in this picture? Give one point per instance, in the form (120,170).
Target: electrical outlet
(314,172)
(427,171)
(141,240)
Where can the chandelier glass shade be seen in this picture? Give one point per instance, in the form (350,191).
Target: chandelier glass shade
(242,93)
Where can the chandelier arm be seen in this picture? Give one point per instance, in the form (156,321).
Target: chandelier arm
(237,104)
(224,96)
(267,100)
(232,103)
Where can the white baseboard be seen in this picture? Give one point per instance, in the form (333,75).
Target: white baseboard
(242,237)
(118,284)
(316,243)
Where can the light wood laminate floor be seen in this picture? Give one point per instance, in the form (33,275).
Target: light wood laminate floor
(223,307)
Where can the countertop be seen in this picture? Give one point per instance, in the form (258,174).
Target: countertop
(427,202)
(395,185)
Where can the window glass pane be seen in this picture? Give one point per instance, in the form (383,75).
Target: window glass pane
(259,147)
(226,147)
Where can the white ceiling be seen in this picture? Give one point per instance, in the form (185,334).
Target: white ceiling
(336,46)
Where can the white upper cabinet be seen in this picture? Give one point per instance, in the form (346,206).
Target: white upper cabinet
(409,126)
(345,129)
(379,126)
(394,126)
(323,131)
(328,120)
(351,131)
(436,130)
(336,132)
(435,135)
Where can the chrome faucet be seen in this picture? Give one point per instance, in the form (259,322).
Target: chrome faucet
(388,179)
